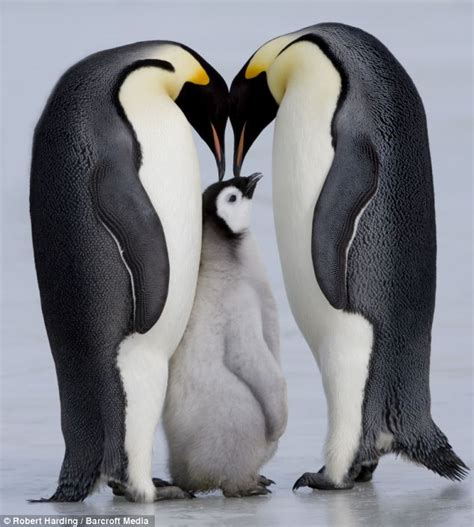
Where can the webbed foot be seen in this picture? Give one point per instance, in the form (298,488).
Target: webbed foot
(259,490)
(163,491)
(319,481)
(169,492)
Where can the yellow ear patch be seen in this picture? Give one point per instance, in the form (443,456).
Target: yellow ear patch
(200,77)
(264,56)
(254,69)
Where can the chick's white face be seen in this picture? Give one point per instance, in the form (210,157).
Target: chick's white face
(234,209)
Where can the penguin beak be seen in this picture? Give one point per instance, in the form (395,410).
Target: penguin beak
(206,107)
(252,181)
(252,107)
(218,153)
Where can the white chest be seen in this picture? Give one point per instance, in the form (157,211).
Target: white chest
(170,176)
(302,157)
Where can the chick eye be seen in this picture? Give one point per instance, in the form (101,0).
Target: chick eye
(232,198)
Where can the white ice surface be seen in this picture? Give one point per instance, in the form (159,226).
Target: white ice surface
(433,42)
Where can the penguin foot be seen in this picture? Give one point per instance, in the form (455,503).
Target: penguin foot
(259,490)
(366,473)
(118,489)
(171,492)
(319,481)
(262,480)
(158,482)
(164,491)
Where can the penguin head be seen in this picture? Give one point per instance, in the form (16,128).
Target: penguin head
(252,108)
(204,100)
(228,204)
(191,82)
(253,105)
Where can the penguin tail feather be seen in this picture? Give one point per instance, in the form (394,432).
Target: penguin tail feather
(435,453)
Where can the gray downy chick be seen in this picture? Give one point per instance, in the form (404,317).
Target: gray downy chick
(226,405)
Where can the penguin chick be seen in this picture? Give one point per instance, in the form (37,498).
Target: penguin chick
(226,405)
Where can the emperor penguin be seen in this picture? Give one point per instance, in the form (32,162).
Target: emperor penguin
(115,205)
(226,403)
(354,214)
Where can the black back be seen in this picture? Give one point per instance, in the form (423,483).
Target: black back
(81,134)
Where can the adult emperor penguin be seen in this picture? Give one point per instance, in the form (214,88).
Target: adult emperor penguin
(116,218)
(354,213)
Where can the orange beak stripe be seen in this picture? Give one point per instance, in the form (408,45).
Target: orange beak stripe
(217,144)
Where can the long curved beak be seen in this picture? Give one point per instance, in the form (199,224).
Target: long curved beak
(253,179)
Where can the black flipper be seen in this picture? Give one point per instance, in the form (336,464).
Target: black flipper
(349,186)
(126,210)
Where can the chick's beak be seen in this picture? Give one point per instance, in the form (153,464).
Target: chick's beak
(252,183)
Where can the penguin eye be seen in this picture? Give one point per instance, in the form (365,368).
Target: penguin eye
(232,198)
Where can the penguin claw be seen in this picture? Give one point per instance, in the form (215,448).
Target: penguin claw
(266,482)
(319,481)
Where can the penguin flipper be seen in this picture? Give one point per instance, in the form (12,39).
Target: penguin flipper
(126,211)
(248,357)
(349,186)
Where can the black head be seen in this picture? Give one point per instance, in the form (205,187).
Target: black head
(206,106)
(228,204)
(252,108)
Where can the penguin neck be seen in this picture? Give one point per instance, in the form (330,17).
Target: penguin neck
(266,54)
(149,81)
(146,86)
(303,153)
(307,86)
(221,253)
(303,65)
